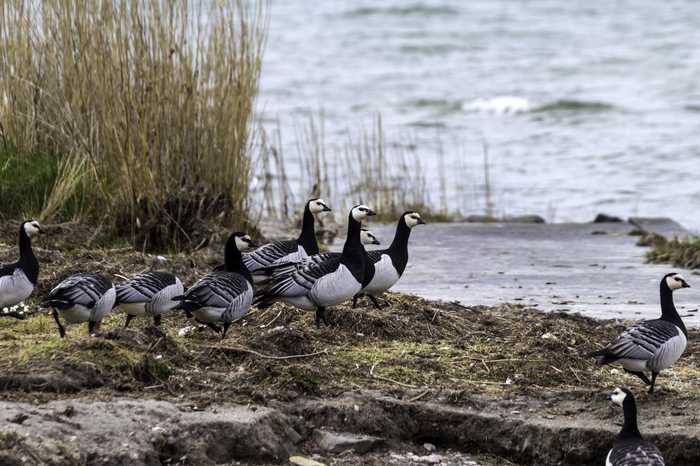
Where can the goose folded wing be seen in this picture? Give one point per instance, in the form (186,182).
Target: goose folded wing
(637,452)
(643,340)
(143,287)
(269,253)
(218,289)
(7,270)
(79,289)
(304,276)
(376,255)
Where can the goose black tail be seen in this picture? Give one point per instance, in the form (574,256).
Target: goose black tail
(602,356)
(55,303)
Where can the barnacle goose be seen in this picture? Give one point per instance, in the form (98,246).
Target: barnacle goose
(222,296)
(629,448)
(17,281)
(652,344)
(82,297)
(148,294)
(292,249)
(318,285)
(277,270)
(390,263)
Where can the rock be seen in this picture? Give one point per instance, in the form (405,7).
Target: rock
(605,218)
(301,461)
(159,431)
(429,447)
(338,442)
(507,219)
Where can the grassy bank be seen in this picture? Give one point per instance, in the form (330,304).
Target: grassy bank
(444,350)
(680,252)
(149,107)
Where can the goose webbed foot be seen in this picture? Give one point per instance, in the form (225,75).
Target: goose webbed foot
(375,301)
(61,330)
(214,327)
(321,317)
(157,320)
(93,328)
(642,376)
(129,318)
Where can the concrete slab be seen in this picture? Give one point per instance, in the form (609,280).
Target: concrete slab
(551,266)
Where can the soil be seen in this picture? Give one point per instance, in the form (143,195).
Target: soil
(475,381)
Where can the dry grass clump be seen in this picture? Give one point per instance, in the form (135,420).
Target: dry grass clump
(391,178)
(681,252)
(150,105)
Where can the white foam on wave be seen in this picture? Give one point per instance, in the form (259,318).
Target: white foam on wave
(502,105)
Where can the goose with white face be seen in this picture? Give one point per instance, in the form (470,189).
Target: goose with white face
(368,238)
(32,228)
(618,396)
(676,281)
(316,206)
(412,219)
(361,212)
(244,242)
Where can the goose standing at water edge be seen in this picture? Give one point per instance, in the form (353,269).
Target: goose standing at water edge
(390,263)
(318,285)
(83,297)
(17,281)
(148,294)
(651,345)
(630,448)
(291,250)
(222,296)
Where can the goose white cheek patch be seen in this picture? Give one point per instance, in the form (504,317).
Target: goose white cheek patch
(674,282)
(618,397)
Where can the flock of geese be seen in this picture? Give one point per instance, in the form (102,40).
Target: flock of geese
(295,272)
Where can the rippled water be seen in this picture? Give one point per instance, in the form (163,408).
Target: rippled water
(584,107)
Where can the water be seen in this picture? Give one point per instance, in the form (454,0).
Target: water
(585,108)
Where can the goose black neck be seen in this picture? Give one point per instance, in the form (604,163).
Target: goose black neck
(307,238)
(629,428)
(403,232)
(353,242)
(27,260)
(398,250)
(233,260)
(668,309)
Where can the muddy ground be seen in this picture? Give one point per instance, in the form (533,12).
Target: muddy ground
(505,384)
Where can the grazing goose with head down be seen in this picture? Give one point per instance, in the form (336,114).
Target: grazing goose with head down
(17,281)
(148,294)
(390,263)
(630,449)
(651,345)
(83,297)
(318,285)
(222,296)
(291,250)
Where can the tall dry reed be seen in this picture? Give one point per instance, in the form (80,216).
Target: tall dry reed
(150,103)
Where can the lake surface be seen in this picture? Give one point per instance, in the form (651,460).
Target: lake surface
(584,107)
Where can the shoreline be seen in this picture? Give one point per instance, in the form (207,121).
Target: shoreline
(500,384)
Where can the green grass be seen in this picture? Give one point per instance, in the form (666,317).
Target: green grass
(27,181)
(683,252)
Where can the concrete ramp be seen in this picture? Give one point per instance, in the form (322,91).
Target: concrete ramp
(595,268)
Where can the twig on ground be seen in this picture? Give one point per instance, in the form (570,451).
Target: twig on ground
(419,396)
(265,356)
(272,321)
(387,379)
